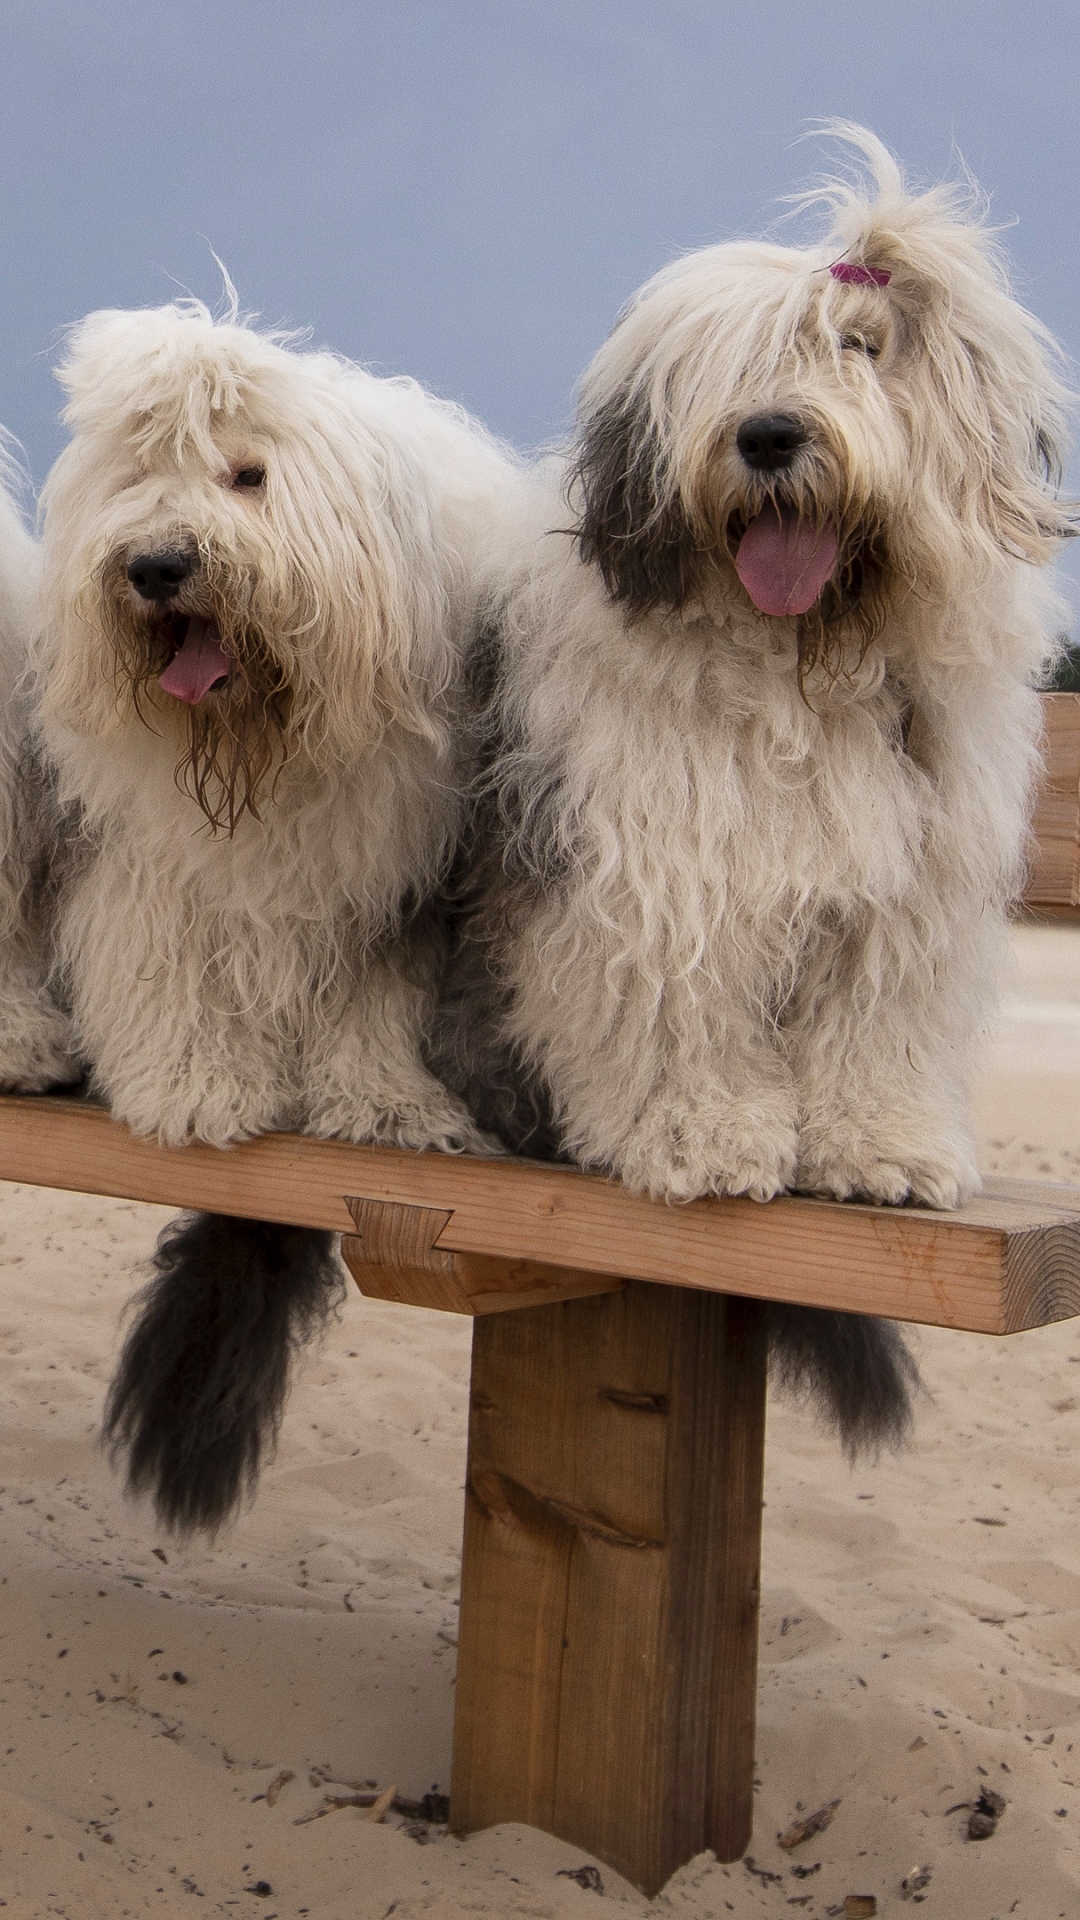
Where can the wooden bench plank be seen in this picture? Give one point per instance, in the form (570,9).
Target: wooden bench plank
(1010,1259)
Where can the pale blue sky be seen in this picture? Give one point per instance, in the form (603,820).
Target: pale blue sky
(467,190)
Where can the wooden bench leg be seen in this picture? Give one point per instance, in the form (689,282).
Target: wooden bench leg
(607,1659)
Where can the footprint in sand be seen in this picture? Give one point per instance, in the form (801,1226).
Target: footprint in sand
(791,1628)
(368,1480)
(1040,1583)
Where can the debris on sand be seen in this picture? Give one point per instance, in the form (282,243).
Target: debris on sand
(806,1827)
(984,1816)
(332,1803)
(587,1877)
(913,1884)
(434,1806)
(433,1809)
(381,1806)
(280,1780)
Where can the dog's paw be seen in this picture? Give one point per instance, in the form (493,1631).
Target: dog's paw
(937,1184)
(937,1174)
(37,1050)
(433,1120)
(219,1115)
(748,1147)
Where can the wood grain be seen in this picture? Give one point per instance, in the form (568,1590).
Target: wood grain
(395,1236)
(1008,1260)
(1055,875)
(393,1256)
(608,1642)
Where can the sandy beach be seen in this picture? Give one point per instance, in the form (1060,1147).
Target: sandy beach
(169,1717)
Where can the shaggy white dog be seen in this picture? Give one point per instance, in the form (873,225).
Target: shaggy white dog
(263,571)
(35,1040)
(765,733)
(767,720)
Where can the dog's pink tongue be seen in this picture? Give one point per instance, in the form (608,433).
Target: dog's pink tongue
(201,663)
(783,562)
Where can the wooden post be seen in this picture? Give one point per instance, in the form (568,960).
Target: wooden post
(1054,880)
(607,1661)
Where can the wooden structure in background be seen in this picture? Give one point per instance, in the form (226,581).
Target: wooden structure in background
(608,1642)
(1054,886)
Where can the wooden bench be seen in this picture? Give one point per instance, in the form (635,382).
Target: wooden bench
(608,1642)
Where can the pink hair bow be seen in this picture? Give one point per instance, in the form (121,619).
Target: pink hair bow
(856,276)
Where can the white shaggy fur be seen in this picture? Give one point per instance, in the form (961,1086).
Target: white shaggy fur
(237,941)
(756,868)
(35,1041)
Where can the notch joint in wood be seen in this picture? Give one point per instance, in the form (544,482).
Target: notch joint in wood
(390,1234)
(394,1255)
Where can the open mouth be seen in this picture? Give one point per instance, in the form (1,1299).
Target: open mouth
(199,662)
(784,561)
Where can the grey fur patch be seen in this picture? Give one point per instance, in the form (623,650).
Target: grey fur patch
(632,526)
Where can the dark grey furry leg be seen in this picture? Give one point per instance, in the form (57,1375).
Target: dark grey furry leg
(469,1053)
(857,1371)
(197,1398)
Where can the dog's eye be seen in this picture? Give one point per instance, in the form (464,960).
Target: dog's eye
(249,477)
(858,343)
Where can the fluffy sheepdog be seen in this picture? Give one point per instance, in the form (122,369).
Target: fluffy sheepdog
(765,732)
(35,1040)
(263,573)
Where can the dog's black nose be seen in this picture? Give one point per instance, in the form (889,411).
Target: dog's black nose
(159,576)
(770,440)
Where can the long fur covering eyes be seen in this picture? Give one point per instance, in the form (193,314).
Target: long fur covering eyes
(245,939)
(744,898)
